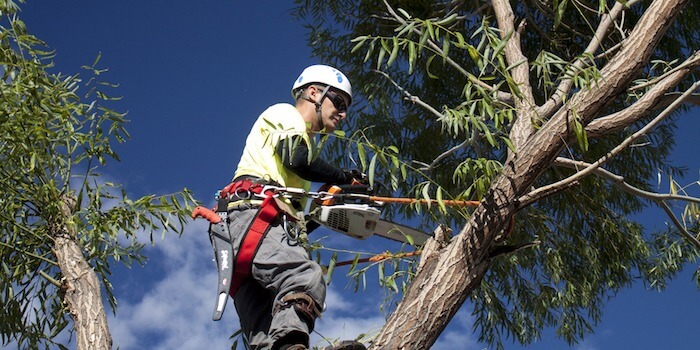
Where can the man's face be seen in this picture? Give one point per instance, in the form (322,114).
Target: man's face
(334,110)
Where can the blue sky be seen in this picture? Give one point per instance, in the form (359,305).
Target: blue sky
(194,76)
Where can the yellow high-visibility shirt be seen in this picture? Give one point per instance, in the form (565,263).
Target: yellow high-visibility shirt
(260,159)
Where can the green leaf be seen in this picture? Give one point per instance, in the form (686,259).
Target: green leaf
(380,58)
(508,143)
(370,50)
(580,132)
(560,8)
(405,14)
(445,50)
(362,154)
(372,169)
(410,240)
(430,29)
(360,41)
(440,202)
(354,263)
(331,267)
(427,68)
(380,272)
(426,194)
(394,52)
(412,56)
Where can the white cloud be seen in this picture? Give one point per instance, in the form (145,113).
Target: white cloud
(176,312)
(586,344)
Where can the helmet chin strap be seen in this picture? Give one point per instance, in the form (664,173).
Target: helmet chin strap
(318,105)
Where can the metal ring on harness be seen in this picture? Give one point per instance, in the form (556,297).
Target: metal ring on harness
(291,228)
(242,193)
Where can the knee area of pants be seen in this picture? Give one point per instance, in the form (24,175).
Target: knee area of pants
(304,305)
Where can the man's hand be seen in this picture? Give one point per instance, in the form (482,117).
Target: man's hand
(355,177)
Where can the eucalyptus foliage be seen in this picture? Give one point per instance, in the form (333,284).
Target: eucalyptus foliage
(435,121)
(56,133)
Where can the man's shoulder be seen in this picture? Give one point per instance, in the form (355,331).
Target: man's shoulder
(282,113)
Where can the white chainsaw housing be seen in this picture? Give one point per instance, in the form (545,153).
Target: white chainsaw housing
(356,220)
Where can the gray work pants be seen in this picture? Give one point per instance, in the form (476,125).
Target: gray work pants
(280,267)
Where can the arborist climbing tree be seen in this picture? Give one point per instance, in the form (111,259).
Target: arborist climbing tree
(277,289)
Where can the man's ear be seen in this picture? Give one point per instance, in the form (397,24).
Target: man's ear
(312,91)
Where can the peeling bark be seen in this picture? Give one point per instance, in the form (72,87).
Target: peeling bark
(81,288)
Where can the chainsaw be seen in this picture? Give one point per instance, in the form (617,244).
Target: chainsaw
(350,210)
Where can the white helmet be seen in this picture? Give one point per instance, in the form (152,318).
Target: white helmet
(325,75)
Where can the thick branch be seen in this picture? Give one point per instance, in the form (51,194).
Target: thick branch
(654,98)
(668,98)
(525,101)
(432,248)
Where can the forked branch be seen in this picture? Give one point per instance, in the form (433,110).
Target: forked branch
(543,191)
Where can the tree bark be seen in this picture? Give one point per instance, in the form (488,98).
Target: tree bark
(80,287)
(524,99)
(444,282)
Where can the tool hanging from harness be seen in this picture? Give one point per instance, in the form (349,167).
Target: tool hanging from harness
(232,273)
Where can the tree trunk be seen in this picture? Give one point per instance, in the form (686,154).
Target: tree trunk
(445,281)
(81,288)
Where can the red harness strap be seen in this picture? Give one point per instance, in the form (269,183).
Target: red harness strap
(253,236)
(251,242)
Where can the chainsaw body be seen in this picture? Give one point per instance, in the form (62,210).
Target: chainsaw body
(356,220)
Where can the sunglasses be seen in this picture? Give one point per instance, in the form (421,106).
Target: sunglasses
(338,101)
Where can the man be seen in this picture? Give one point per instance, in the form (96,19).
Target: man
(284,293)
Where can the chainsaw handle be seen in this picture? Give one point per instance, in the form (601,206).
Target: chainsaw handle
(206,213)
(332,190)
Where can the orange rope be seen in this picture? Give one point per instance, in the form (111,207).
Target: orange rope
(423,201)
(380,257)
